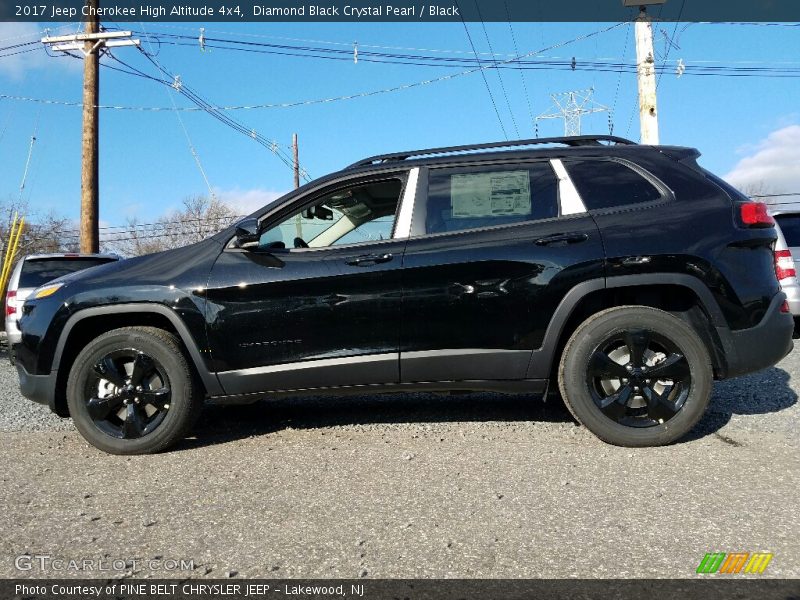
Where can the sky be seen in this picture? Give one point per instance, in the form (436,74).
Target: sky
(748,129)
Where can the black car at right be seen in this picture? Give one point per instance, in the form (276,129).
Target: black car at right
(625,276)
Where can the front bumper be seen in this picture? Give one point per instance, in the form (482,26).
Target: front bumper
(39,388)
(759,347)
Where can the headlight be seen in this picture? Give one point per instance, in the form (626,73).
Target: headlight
(46,290)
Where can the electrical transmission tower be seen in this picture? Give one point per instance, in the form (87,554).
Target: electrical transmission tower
(571,106)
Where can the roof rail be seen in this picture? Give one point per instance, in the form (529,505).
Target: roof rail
(577,140)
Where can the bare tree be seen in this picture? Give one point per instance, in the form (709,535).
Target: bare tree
(758,190)
(200,218)
(41,233)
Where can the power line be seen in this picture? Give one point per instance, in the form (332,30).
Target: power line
(186,133)
(316,52)
(483,75)
(619,82)
(521,74)
(499,73)
(358,95)
(362,44)
(210,109)
(671,43)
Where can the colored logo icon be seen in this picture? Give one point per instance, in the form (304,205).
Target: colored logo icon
(734,562)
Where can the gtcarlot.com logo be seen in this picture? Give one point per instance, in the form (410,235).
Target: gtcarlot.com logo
(46,562)
(734,562)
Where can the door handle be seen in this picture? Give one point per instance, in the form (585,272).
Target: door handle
(562,239)
(369,259)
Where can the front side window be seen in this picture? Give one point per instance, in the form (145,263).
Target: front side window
(485,196)
(349,215)
(606,183)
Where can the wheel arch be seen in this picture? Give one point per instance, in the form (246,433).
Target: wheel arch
(88,323)
(680,294)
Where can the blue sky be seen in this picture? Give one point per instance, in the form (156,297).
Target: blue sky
(147,167)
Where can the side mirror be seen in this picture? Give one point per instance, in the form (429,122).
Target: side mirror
(247,234)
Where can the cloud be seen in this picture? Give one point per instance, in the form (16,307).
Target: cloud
(15,62)
(773,164)
(247,201)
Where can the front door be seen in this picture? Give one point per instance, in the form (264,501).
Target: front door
(493,250)
(317,303)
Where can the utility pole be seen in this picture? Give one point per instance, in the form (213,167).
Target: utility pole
(296,169)
(91,43)
(646,77)
(90,172)
(296,157)
(571,106)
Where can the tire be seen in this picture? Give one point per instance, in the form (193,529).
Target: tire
(636,376)
(132,391)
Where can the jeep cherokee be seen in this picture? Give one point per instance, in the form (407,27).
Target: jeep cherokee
(623,276)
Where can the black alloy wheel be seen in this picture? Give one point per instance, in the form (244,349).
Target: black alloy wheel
(636,376)
(133,391)
(129,395)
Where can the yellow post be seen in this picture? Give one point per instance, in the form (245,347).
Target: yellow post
(13,245)
(8,249)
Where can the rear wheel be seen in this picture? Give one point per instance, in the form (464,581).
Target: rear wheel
(636,376)
(131,391)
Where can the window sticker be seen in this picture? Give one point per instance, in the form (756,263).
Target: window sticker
(497,194)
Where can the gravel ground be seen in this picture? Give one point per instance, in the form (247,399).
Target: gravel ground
(476,485)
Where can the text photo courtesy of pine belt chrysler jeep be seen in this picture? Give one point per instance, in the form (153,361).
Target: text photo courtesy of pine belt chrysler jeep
(624,276)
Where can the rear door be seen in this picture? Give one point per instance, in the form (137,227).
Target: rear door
(494,249)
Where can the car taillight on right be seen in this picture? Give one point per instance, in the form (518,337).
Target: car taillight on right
(755,214)
(11,303)
(784,265)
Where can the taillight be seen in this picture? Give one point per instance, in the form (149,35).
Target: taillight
(754,214)
(784,265)
(11,305)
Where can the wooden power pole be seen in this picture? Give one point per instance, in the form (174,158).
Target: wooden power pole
(91,43)
(646,77)
(90,173)
(296,169)
(296,161)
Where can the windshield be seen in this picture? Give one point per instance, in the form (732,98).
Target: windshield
(37,272)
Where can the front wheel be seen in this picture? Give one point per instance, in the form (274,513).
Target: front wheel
(131,391)
(636,376)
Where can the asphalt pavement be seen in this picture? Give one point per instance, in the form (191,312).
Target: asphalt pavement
(414,486)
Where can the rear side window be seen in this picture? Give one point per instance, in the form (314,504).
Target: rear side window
(486,196)
(790,226)
(607,183)
(38,272)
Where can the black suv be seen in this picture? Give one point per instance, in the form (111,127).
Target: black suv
(623,275)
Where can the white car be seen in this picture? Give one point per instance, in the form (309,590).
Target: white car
(787,255)
(34,270)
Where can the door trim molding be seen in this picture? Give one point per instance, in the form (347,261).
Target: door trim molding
(569,200)
(324,372)
(402,228)
(463,363)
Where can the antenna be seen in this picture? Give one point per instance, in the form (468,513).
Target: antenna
(571,106)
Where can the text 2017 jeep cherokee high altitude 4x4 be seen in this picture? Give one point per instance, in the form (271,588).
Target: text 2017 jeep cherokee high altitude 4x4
(625,273)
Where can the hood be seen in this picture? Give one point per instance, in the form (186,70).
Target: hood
(181,267)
